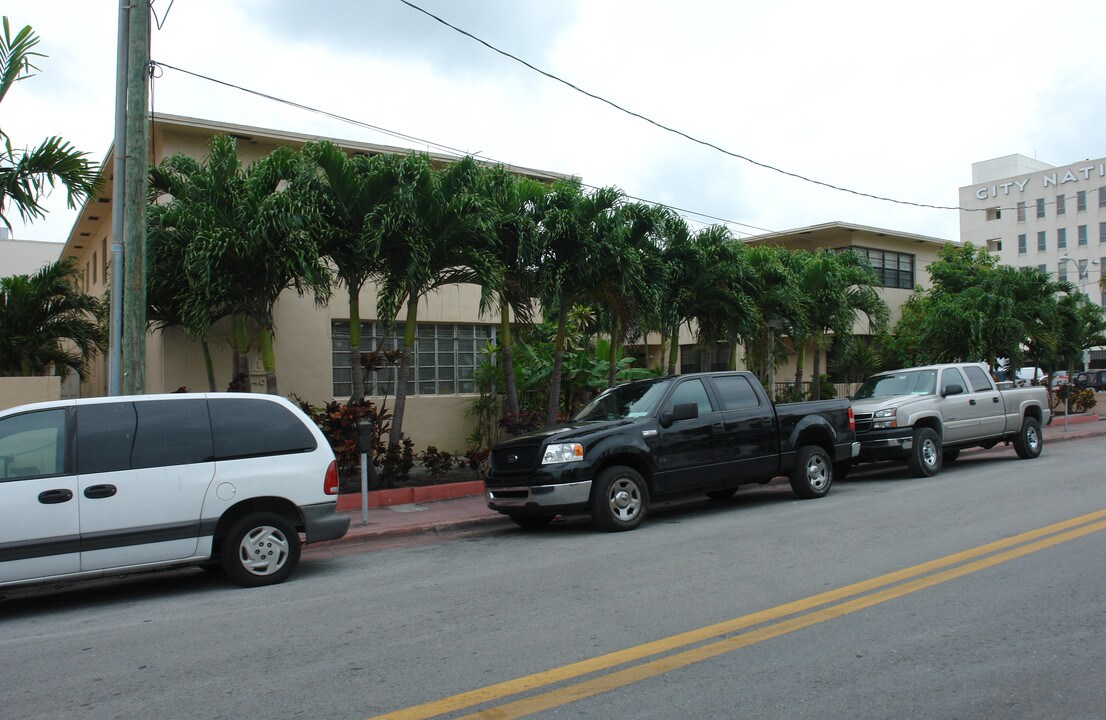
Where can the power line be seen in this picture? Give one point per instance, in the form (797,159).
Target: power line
(673,130)
(158,65)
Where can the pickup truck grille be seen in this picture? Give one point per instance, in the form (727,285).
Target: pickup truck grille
(515,459)
(863,422)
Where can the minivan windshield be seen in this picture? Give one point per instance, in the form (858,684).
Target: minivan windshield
(631,400)
(907,382)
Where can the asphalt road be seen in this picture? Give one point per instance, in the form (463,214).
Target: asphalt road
(892,597)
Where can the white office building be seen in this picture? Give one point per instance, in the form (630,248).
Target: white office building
(1032,214)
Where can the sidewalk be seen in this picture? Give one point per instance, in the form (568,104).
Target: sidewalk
(471,512)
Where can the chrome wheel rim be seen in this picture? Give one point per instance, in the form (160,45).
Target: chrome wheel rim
(929,453)
(264,550)
(1032,439)
(817,474)
(624,499)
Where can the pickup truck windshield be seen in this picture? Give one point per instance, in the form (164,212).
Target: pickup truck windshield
(625,401)
(912,382)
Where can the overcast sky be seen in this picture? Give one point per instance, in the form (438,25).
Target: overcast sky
(886,98)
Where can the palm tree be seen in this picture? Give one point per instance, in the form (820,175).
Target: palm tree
(247,242)
(568,269)
(513,202)
(433,233)
(350,196)
(25,175)
(839,286)
(42,313)
(781,307)
(722,300)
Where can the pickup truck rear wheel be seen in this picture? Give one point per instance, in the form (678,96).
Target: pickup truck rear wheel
(925,456)
(813,472)
(1028,443)
(620,499)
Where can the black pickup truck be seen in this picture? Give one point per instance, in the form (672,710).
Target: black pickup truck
(703,432)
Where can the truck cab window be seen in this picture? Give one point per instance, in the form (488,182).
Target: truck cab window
(688,392)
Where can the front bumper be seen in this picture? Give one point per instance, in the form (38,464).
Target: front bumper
(539,498)
(883,444)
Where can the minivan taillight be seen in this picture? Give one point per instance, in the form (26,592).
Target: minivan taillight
(330,482)
(852,420)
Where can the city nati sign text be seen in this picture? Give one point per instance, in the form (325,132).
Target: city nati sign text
(1047,180)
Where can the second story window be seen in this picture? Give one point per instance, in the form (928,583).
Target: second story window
(1021,211)
(894,269)
(1081,201)
(1061,204)
(1021,244)
(1061,238)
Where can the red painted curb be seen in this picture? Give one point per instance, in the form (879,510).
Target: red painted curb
(402,496)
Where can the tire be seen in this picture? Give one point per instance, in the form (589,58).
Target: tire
(620,499)
(925,456)
(260,549)
(1029,442)
(531,522)
(813,472)
(721,494)
(949,456)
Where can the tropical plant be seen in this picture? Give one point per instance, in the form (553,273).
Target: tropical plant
(47,325)
(26,175)
(349,199)
(436,236)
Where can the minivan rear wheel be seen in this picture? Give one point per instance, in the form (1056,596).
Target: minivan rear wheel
(260,549)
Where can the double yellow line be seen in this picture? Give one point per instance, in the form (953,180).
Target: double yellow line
(718,639)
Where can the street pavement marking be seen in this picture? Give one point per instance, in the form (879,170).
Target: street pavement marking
(838,602)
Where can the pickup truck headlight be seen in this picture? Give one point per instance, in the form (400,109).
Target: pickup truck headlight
(563,452)
(883,419)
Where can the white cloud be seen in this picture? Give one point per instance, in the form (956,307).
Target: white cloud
(885,98)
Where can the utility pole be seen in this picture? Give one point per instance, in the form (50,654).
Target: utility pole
(115,341)
(134,199)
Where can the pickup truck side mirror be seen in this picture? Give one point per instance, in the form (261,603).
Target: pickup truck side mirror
(683,411)
(952,390)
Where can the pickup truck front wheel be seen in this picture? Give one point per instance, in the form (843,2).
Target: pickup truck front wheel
(925,456)
(813,472)
(620,499)
(1028,442)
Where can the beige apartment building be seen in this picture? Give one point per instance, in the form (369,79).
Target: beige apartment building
(311,359)
(1032,214)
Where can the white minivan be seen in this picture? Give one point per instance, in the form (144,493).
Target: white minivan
(113,485)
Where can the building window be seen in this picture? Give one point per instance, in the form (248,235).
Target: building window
(894,269)
(444,360)
(104,259)
(95,269)
(1061,205)
(1021,244)
(1062,271)
(1061,238)
(1040,207)
(994,213)
(1102,233)
(1041,246)
(1021,211)
(694,358)
(1081,201)
(1043,268)
(1082,233)
(1102,196)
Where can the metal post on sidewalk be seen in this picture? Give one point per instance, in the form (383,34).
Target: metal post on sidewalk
(365,440)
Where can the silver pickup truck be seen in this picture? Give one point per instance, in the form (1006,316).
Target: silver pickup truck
(927,414)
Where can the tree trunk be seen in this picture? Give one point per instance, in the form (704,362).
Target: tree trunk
(357,372)
(209,365)
(673,350)
(731,363)
(555,377)
(268,361)
(509,387)
(612,369)
(816,387)
(800,361)
(396,434)
(240,378)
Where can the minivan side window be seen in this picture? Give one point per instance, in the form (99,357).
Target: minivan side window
(977,378)
(172,432)
(105,436)
(250,428)
(33,445)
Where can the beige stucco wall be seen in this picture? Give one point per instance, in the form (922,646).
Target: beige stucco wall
(23,390)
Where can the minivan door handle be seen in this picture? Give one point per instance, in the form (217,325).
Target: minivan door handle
(53,497)
(971,402)
(95,492)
